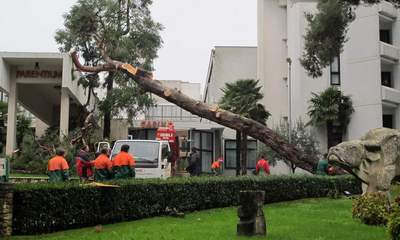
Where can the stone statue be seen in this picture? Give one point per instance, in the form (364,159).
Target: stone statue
(374,159)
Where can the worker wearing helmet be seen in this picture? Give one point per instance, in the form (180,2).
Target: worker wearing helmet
(124,164)
(57,168)
(102,166)
(262,166)
(216,166)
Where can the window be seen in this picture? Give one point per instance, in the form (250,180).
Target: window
(230,154)
(143,133)
(386,79)
(146,153)
(385,36)
(203,142)
(335,71)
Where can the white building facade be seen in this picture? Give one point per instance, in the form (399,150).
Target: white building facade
(367,70)
(46,85)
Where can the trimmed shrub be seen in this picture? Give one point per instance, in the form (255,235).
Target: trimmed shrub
(372,208)
(41,208)
(393,225)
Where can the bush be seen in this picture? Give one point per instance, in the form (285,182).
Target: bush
(30,158)
(40,208)
(393,225)
(372,208)
(34,153)
(301,137)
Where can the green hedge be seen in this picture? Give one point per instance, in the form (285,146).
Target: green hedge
(42,208)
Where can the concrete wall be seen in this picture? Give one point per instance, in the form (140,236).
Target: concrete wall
(4,75)
(119,129)
(188,88)
(361,70)
(229,64)
(70,82)
(272,53)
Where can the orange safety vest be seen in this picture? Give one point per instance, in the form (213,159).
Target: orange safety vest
(123,159)
(57,163)
(102,162)
(216,165)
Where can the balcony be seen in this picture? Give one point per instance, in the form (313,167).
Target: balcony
(387,9)
(389,52)
(390,95)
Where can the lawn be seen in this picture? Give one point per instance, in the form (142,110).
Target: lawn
(311,219)
(28,175)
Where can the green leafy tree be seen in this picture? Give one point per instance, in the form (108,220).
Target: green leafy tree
(326,34)
(333,109)
(23,126)
(301,137)
(126,30)
(242,97)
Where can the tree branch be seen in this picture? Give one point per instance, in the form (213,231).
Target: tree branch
(94,69)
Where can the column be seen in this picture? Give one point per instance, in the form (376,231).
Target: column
(6,206)
(12,117)
(64,114)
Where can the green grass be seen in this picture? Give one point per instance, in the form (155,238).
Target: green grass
(27,175)
(311,219)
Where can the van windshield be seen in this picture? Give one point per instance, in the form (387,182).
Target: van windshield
(145,153)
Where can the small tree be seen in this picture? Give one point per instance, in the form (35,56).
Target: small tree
(333,109)
(301,137)
(242,97)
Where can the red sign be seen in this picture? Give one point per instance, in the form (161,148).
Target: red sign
(154,124)
(166,133)
(38,74)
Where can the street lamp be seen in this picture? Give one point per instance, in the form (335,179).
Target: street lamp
(289,61)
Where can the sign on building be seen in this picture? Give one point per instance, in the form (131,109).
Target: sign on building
(3,170)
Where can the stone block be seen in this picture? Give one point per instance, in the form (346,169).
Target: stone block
(252,219)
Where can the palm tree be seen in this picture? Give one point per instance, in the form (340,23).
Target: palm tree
(332,109)
(242,97)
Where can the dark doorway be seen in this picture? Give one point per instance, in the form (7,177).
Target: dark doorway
(387,120)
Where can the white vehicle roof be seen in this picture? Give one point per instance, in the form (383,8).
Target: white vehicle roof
(140,140)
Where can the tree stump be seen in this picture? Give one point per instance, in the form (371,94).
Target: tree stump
(6,206)
(251,214)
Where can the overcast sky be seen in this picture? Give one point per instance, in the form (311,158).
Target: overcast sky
(192,28)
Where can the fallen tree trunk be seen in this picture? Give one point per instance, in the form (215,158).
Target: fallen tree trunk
(213,113)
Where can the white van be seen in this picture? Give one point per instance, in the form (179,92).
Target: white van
(151,157)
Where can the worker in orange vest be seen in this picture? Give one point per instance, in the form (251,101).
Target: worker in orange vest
(58,169)
(124,164)
(102,166)
(262,166)
(216,166)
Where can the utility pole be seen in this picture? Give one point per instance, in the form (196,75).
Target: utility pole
(289,61)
